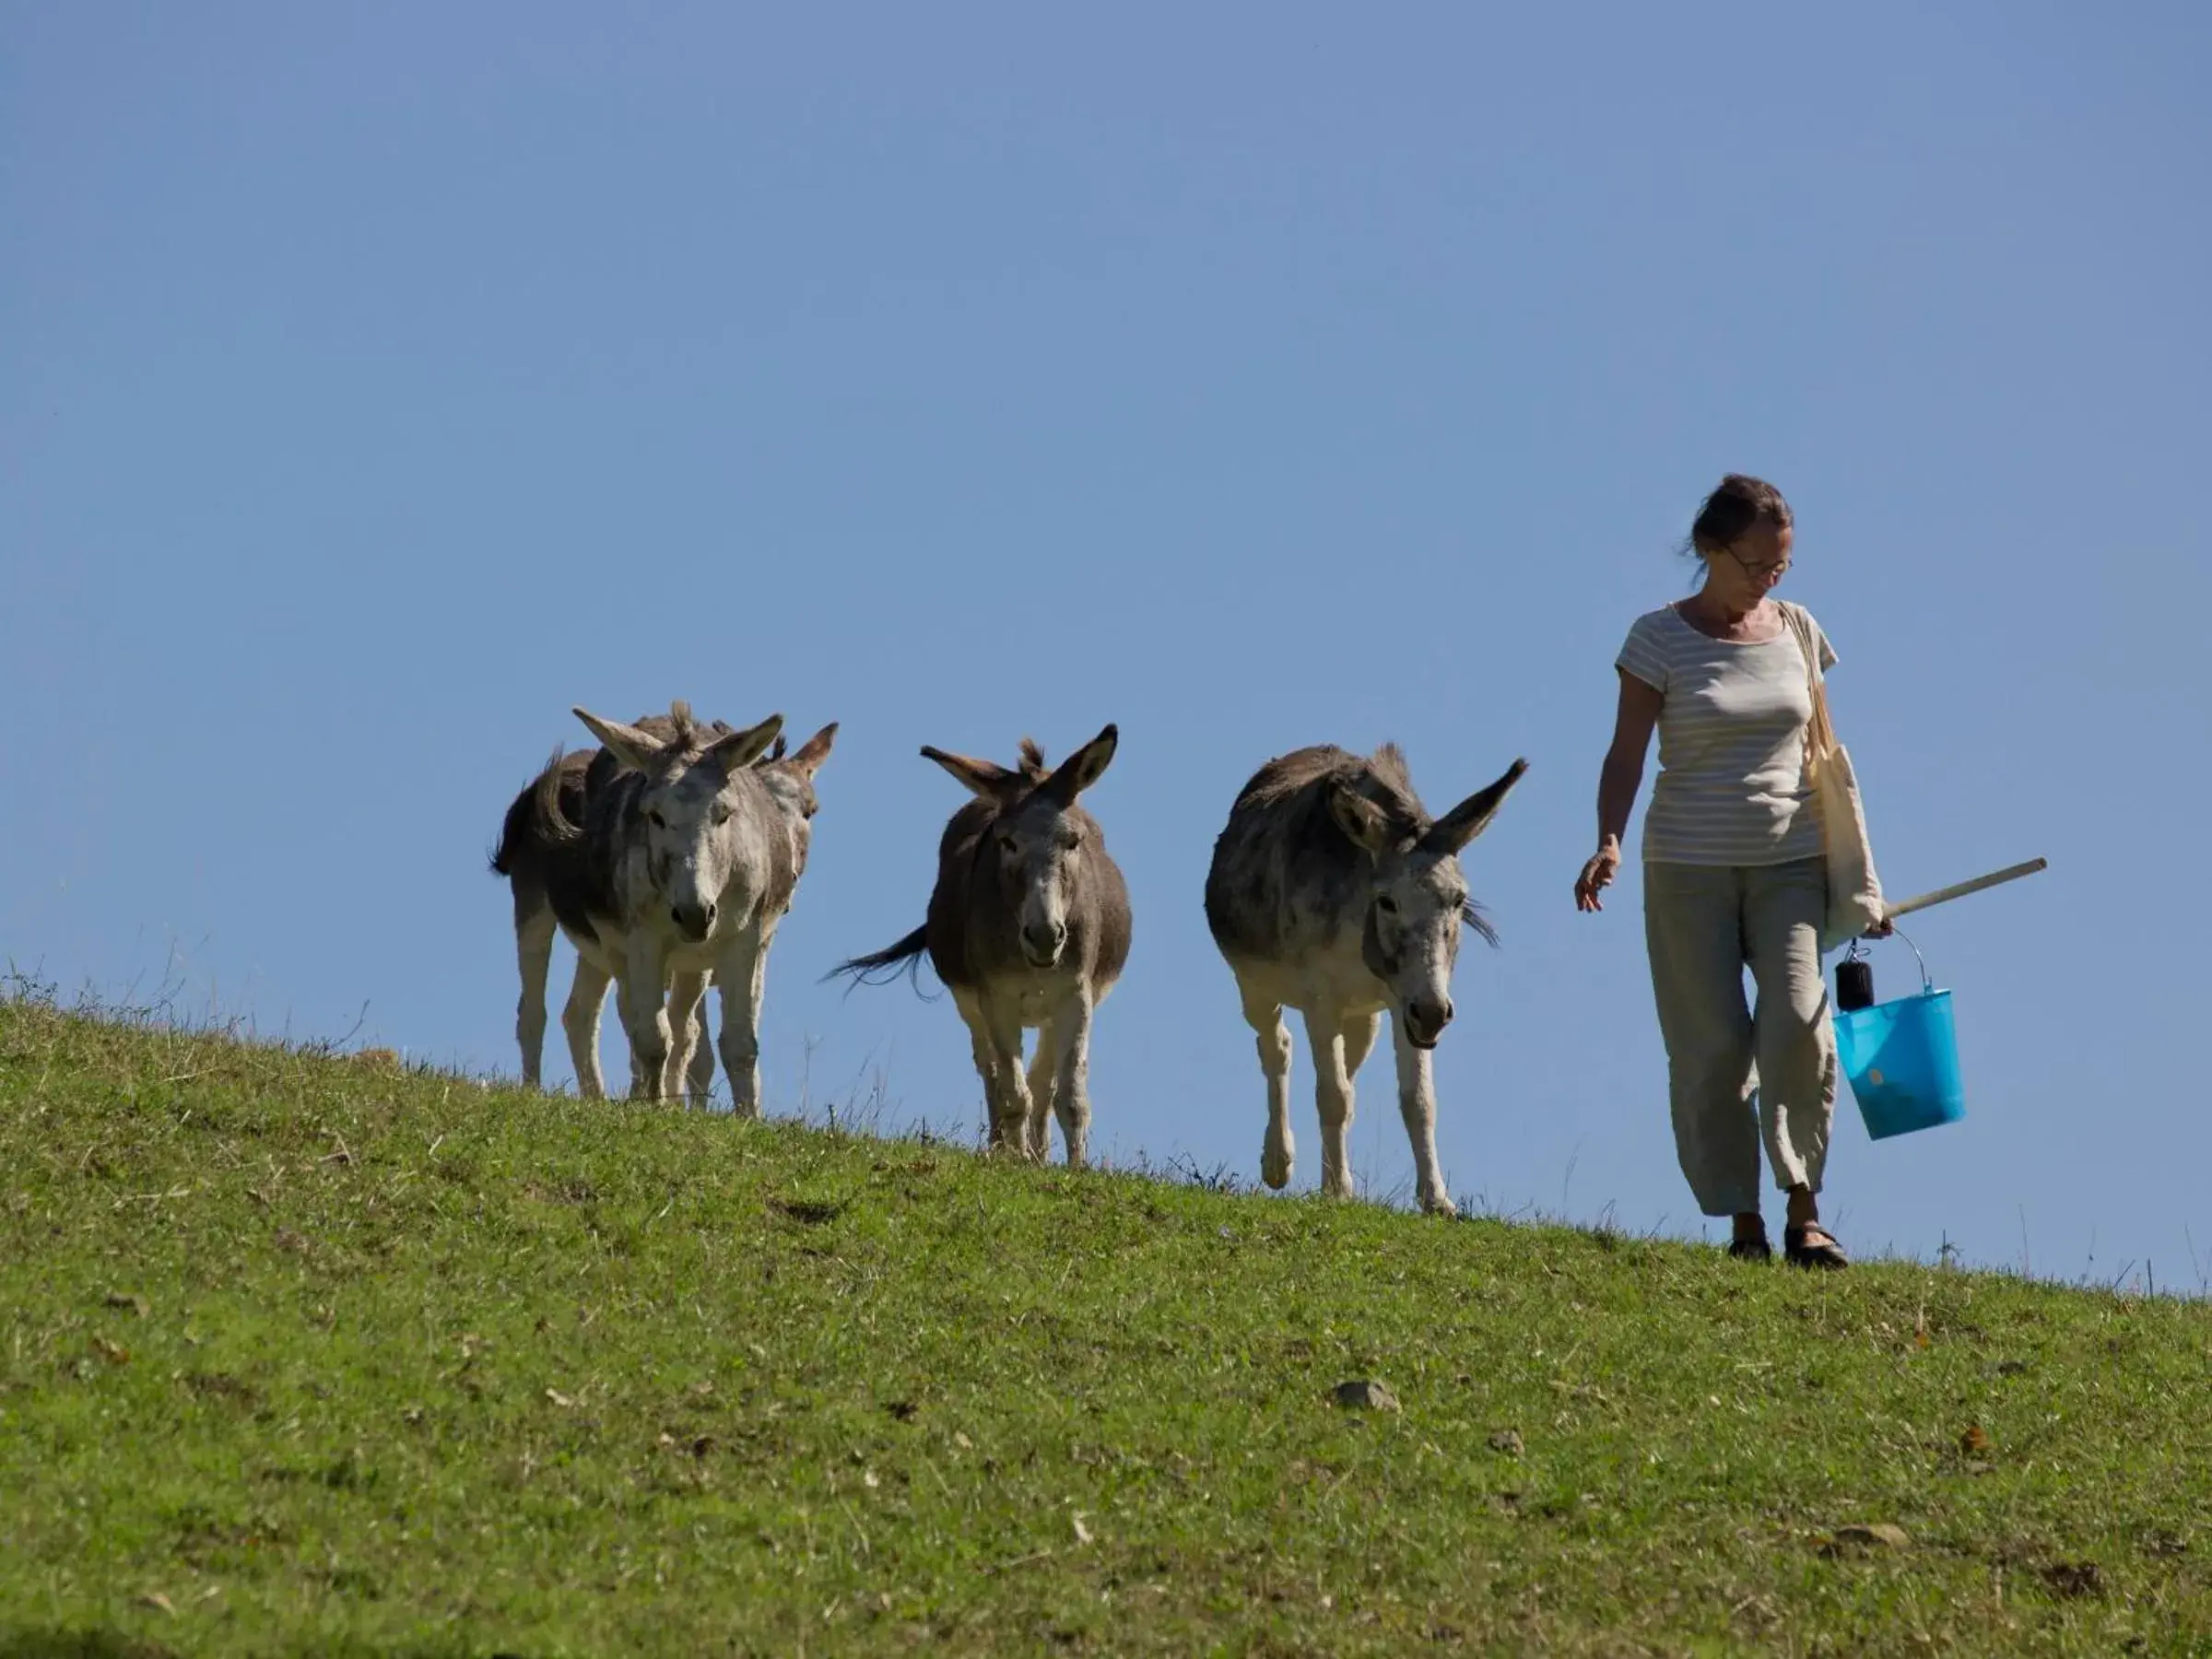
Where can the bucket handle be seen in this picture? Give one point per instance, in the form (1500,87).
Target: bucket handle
(1858,952)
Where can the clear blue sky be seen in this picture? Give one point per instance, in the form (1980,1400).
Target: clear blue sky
(376,383)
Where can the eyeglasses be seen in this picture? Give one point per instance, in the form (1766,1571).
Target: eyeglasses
(1757,572)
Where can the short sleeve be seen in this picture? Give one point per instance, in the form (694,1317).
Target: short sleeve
(1828,652)
(1641,655)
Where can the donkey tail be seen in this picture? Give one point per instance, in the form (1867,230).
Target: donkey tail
(551,823)
(881,967)
(534,821)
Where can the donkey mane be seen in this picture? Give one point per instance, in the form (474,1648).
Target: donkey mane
(1383,777)
(680,725)
(684,736)
(683,728)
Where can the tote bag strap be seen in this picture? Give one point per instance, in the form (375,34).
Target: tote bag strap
(1819,731)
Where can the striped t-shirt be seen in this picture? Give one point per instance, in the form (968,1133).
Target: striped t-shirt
(1731,788)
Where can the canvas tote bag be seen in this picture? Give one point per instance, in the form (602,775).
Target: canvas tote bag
(1854,891)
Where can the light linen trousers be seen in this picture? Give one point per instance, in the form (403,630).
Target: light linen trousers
(1736,1076)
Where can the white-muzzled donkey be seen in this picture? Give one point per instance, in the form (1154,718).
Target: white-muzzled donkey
(668,863)
(546,869)
(1028,926)
(1332,891)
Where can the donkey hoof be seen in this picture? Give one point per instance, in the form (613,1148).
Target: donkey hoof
(1436,1204)
(1274,1167)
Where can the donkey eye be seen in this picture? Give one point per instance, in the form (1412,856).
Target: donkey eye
(721,814)
(1387,905)
(657,820)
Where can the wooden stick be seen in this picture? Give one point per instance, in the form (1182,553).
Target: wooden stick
(1960,890)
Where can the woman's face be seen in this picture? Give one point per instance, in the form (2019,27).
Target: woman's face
(1748,569)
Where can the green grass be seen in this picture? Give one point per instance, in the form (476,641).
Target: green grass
(309,1355)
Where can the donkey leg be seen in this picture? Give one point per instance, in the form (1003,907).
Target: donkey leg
(1358,1033)
(986,1061)
(1005,1023)
(641,994)
(996,1028)
(686,1018)
(580,1020)
(1333,1096)
(534,930)
(698,1072)
(1417,1105)
(1278,1151)
(1044,1069)
(1070,1034)
(743,975)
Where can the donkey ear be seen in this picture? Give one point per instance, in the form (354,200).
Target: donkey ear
(814,751)
(1365,823)
(740,749)
(1081,769)
(1473,815)
(985,778)
(634,748)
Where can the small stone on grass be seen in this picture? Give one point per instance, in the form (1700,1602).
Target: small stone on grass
(1366,1393)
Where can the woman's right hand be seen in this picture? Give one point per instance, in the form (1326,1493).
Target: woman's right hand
(1597,875)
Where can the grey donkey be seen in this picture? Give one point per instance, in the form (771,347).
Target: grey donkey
(545,866)
(1029,925)
(668,858)
(548,870)
(1332,891)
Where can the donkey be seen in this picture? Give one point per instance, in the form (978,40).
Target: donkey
(1332,891)
(535,866)
(683,855)
(547,871)
(1029,925)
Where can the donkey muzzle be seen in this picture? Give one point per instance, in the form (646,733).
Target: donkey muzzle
(695,921)
(1425,1018)
(1042,943)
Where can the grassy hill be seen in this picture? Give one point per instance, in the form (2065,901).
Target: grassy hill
(310,1355)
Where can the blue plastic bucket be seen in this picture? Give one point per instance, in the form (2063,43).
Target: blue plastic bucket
(1902,1060)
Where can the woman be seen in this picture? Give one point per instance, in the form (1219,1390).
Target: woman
(1732,872)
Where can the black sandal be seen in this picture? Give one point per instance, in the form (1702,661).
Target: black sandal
(1751,1248)
(1798,1253)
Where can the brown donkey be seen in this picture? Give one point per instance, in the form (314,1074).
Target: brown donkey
(1029,925)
